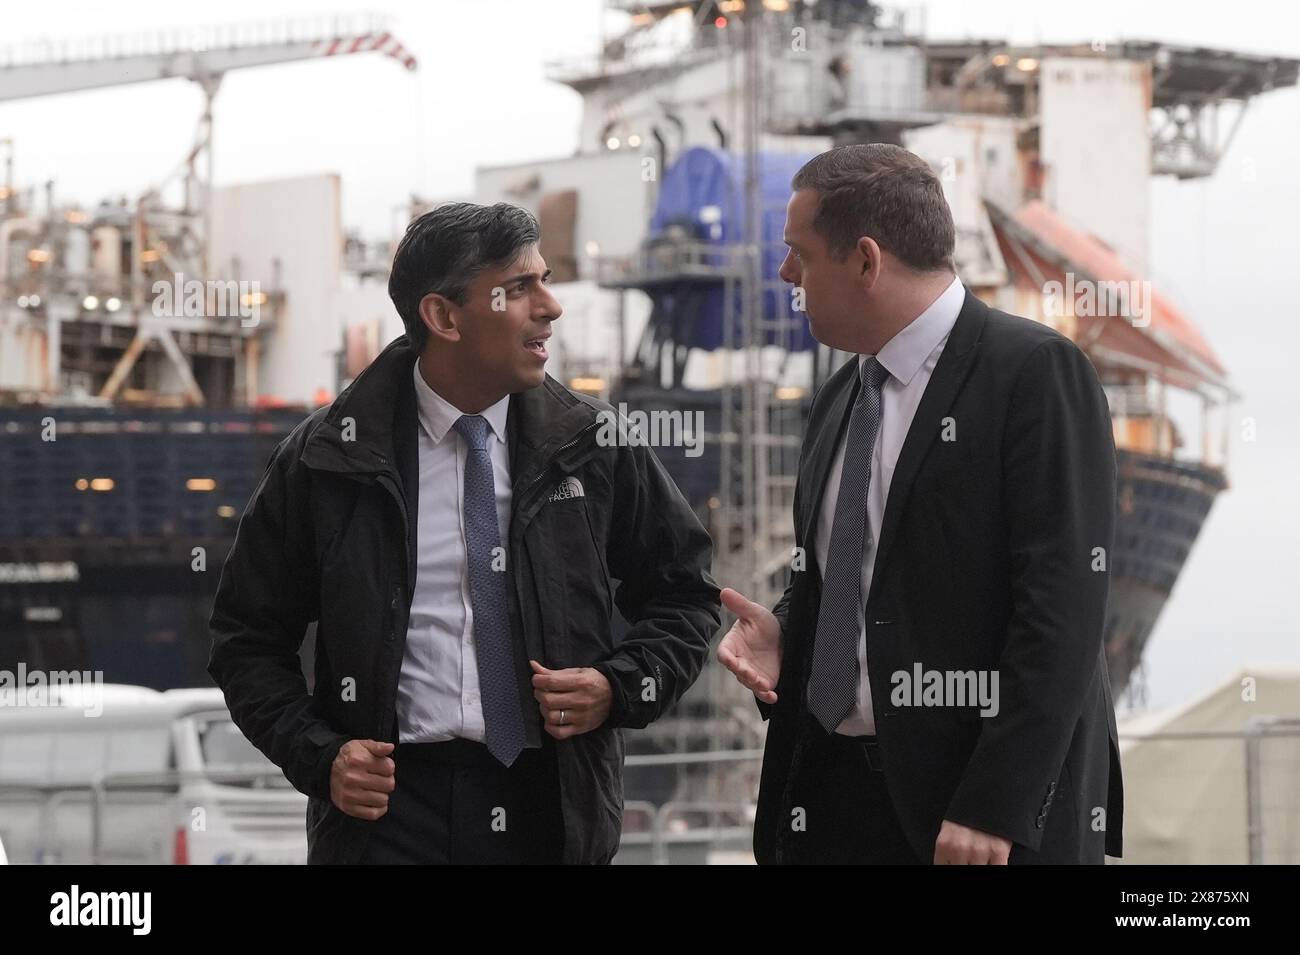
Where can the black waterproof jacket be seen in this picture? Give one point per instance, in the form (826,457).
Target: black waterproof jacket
(329,536)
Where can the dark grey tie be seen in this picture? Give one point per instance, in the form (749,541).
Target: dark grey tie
(498,689)
(833,686)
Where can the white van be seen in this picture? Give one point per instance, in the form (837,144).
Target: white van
(120,774)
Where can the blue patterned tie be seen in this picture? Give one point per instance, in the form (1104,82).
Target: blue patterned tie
(498,683)
(833,686)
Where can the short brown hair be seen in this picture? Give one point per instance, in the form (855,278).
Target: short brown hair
(886,193)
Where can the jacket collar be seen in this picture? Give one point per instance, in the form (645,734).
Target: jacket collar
(357,435)
(438,416)
(905,353)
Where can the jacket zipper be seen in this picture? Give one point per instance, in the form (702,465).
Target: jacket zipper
(545,468)
(386,480)
(541,473)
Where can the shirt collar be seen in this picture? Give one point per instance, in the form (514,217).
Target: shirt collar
(905,353)
(437,414)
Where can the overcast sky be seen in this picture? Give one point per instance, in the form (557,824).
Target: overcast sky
(1222,248)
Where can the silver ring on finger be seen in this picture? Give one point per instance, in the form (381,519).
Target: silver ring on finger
(561,723)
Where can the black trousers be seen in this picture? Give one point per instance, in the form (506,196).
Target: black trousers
(455,804)
(848,817)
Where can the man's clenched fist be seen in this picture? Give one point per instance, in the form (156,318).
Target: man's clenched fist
(362,776)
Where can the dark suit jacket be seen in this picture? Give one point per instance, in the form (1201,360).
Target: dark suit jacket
(987,560)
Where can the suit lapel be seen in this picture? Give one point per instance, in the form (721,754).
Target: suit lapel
(949,374)
(841,392)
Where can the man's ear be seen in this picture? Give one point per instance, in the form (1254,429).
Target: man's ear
(870,253)
(436,313)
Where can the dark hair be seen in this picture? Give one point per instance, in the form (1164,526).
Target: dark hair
(444,249)
(886,193)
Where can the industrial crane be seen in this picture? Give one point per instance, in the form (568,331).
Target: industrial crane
(179,237)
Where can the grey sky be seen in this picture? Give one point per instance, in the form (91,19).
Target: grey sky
(1221,248)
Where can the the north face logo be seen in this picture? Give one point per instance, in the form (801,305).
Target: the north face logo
(569,487)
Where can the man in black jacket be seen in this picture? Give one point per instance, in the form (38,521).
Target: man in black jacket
(452,522)
(933,676)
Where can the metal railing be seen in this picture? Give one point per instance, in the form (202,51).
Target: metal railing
(667,827)
(669,260)
(1256,822)
(1252,818)
(1127,400)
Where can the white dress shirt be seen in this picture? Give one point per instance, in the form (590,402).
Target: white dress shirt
(438,690)
(909,357)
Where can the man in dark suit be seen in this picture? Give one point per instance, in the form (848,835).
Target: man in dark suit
(933,676)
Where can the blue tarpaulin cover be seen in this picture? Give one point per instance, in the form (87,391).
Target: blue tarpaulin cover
(704,192)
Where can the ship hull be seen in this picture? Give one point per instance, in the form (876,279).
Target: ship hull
(1160,509)
(119,581)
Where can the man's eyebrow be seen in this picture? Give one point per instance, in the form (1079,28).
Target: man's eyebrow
(526,275)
